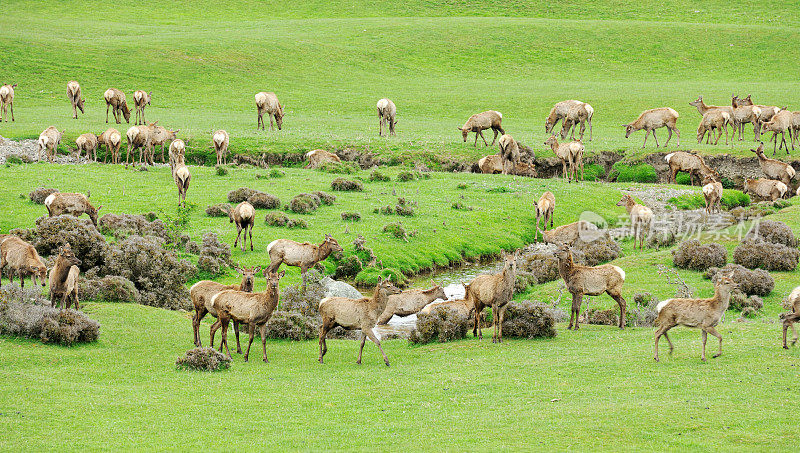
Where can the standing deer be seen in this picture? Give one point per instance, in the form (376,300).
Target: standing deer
(202,292)
(221,141)
(792,317)
(479,122)
(244,216)
(64,278)
(355,314)
(652,119)
(7,101)
(544,210)
(304,255)
(641,218)
(386,114)
(75,98)
(267,102)
(495,291)
(141,99)
(115,99)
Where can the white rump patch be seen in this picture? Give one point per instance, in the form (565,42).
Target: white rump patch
(589,110)
(193,286)
(269,247)
(620,271)
(795,294)
(662,304)
(3,91)
(115,139)
(313,152)
(781,187)
(708,189)
(791,171)
(668,157)
(49,200)
(219,138)
(500,115)
(214,297)
(674,112)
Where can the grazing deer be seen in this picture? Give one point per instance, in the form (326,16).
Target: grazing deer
(704,314)
(590,281)
(479,122)
(141,99)
(75,98)
(794,316)
(652,119)
(712,193)
(544,210)
(774,169)
(386,114)
(221,141)
(267,102)
(7,101)
(689,163)
(305,255)
(570,153)
(21,258)
(355,314)
(64,278)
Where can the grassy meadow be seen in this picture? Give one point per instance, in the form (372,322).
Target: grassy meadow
(440,61)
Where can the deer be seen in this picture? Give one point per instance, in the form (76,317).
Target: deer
(410,302)
(495,291)
(112,139)
(244,216)
(141,99)
(578,114)
(509,153)
(744,114)
(780,123)
(355,314)
(704,314)
(652,119)
(712,193)
(465,306)
(252,309)
(479,122)
(48,142)
(75,98)
(545,208)
(305,255)
(702,108)
(641,218)
(220,139)
(773,168)
(202,292)
(387,112)
(590,281)
(715,119)
(115,99)
(792,317)
(64,278)
(690,163)
(7,101)
(558,113)
(570,153)
(180,172)
(267,102)
(568,234)
(766,189)
(87,142)
(766,112)
(74,204)
(317,157)
(21,258)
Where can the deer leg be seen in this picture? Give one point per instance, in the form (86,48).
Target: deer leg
(224,341)
(655,137)
(495,136)
(251,237)
(198,316)
(482,138)
(263,330)
(236,332)
(251,329)
(714,332)
(502,316)
(361,349)
(622,309)
(669,136)
(495,319)
(107,112)
(661,331)
(704,337)
(377,342)
(646,133)
(475,324)
(238,234)
(478,321)
(786,323)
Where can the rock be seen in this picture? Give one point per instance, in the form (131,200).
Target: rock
(335,288)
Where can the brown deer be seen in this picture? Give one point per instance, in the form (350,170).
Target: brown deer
(712,193)
(202,292)
(689,163)
(64,278)
(774,169)
(479,122)
(75,98)
(713,120)
(590,281)
(88,143)
(267,102)
(305,255)
(141,99)
(704,314)
(112,139)
(180,172)
(765,113)
(355,314)
(652,119)
(743,114)
(317,157)
(48,142)
(781,123)
(641,218)
(7,101)
(387,112)
(571,232)
(465,306)
(495,291)
(115,99)
(545,208)
(410,302)
(570,153)
(74,204)
(578,114)
(244,216)
(252,309)
(765,189)
(509,153)
(558,113)
(21,258)
(794,316)
(221,139)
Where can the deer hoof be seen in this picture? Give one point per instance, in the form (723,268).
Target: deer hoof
(716,355)
(786,347)
(319,360)
(387,363)
(266,360)
(245,360)
(358,362)
(655,358)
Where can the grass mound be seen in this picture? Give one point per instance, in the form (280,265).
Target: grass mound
(111,288)
(528,319)
(440,325)
(39,195)
(756,282)
(203,359)
(773,231)
(693,255)
(47,324)
(218,210)
(262,200)
(754,254)
(305,203)
(346,185)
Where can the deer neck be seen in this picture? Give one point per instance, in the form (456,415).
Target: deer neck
(629,205)
(61,269)
(380,300)
(268,300)
(323,250)
(565,266)
(702,108)
(723,296)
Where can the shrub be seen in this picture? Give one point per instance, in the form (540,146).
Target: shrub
(345,185)
(326,198)
(501,189)
(351,216)
(45,323)
(642,172)
(111,288)
(766,255)
(751,282)
(275,173)
(442,324)
(395,229)
(599,251)
(368,277)
(682,178)
(378,176)
(596,316)
(462,186)
(203,359)
(593,172)
(276,219)
(221,171)
(124,225)
(241,194)
(528,319)
(661,237)
(405,176)
(646,311)
(773,231)
(304,203)
(341,168)
(404,210)
(741,301)
(297,224)
(218,210)
(461,206)
(262,200)
(542,264)
(348,267)
(86,242)
(39,195)
(289,325)
(693,255)
(157,272)
(15,159)
(29,295)
(214,255)
(385,210)
(302,298)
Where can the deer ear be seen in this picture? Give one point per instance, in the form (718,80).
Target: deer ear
(257,269)
(281,274)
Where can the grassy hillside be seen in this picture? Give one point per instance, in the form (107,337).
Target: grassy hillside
(439,62)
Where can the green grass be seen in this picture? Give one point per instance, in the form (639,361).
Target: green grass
(439,61)
(730,199)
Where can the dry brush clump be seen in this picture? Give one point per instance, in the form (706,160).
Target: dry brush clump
(45,323)
(326,198)
(528,319)
(111,288)
(241,194)
(276,219)
(743,302)
(203,359)
(773,231)
(123,225)
(756,282)
(158,273)
(215,256)
(348,267)
(646,310)
(441,325)
(30,295)
(351,216)
(218,210)
(261,200)
(376,175)
(53,232)
(39,195)
(693,255)
(601,250)
(305,203)
(346,185)
(758,253)
(304,298)
(292,325)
